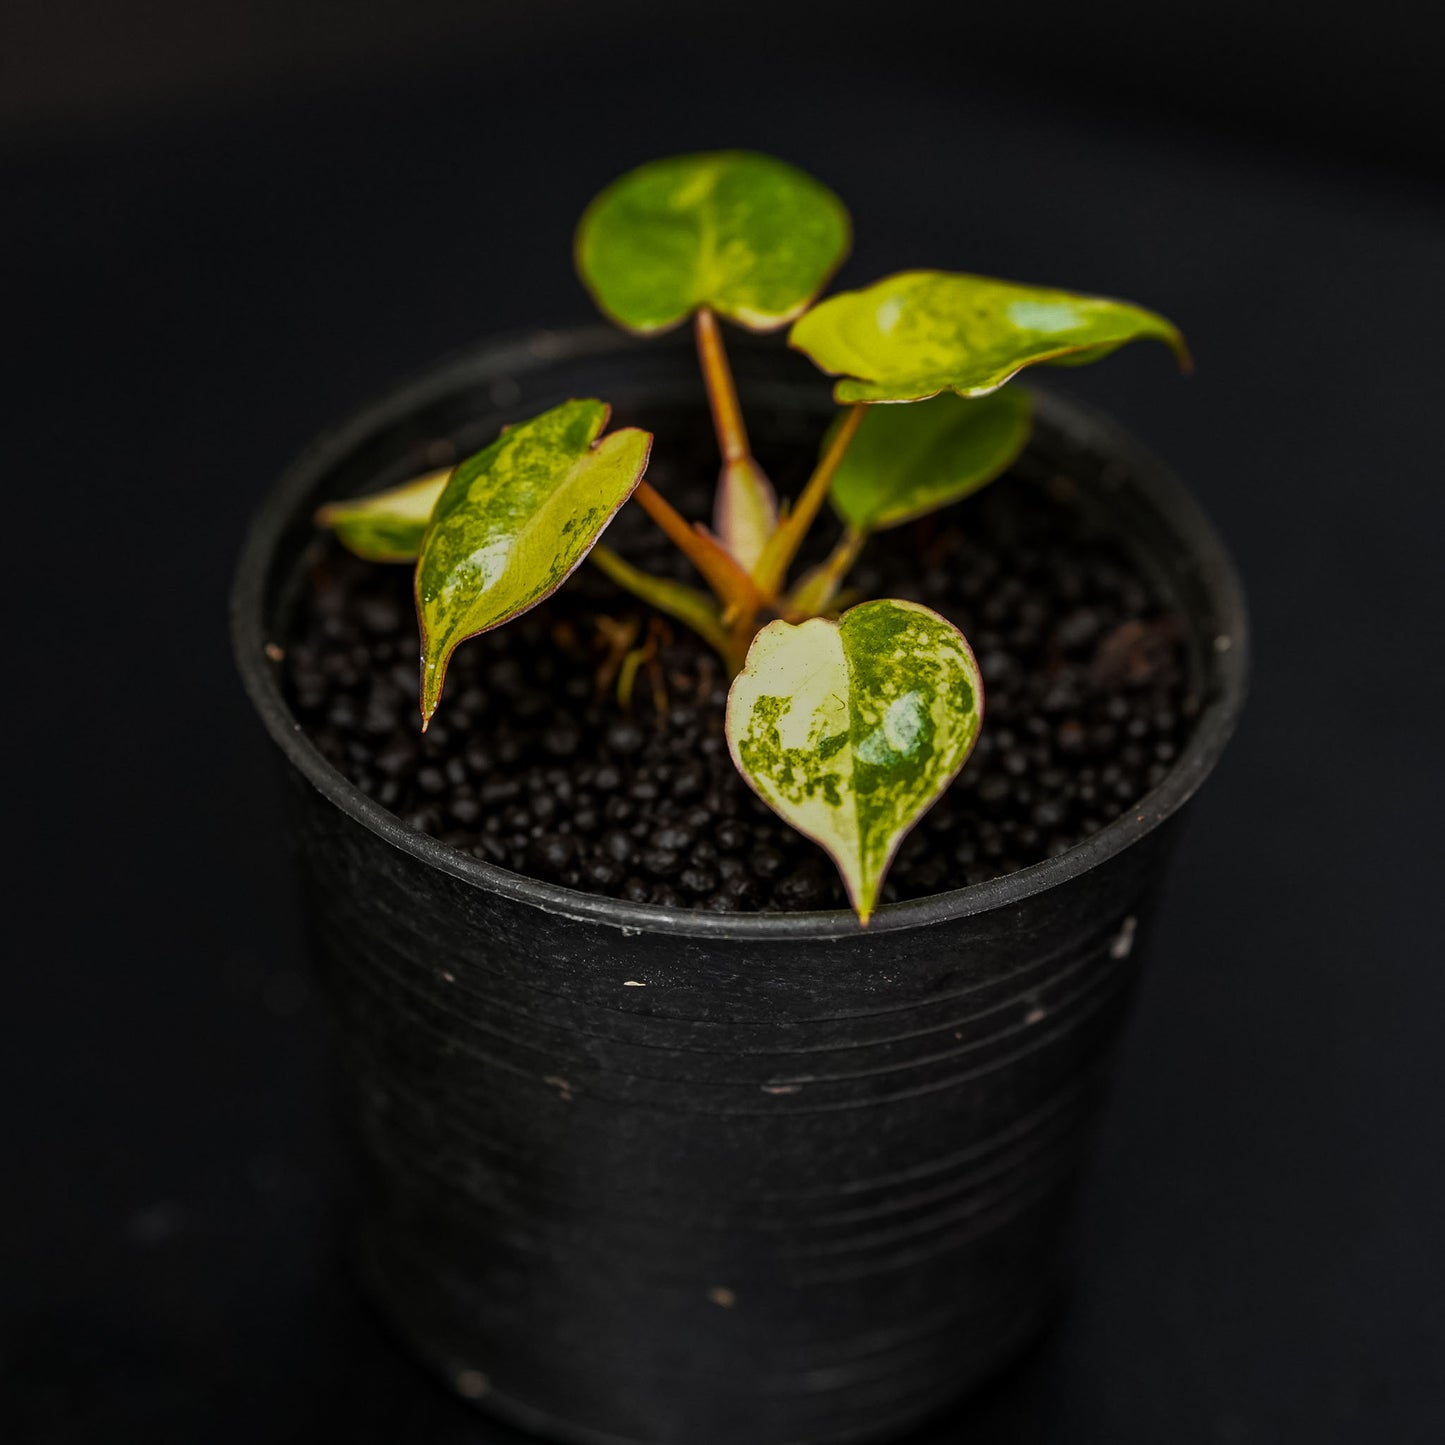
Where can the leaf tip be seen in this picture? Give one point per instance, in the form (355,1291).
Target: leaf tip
(433,675)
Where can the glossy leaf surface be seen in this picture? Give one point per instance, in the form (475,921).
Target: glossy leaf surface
(387,526)
(751,238)
(915,334)
(514,521)
(907,461)
(851,730)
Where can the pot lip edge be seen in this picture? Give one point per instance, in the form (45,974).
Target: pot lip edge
(494,357)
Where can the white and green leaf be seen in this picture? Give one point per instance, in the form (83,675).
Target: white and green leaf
(917,333)
(386,526)
(851,730)
(907,461)
(514,521)
(747,236)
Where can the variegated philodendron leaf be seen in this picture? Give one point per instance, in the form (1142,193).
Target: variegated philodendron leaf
(915,334)
(747,236)
(387,526)
(514,521)
(906,461)
(851,730)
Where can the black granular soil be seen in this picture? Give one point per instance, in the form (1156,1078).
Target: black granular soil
(533,764)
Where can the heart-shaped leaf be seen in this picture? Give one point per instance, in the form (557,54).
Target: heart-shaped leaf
(851,730)
(386,526)
(906,461)
(915,334)
(514,521)
(742,234)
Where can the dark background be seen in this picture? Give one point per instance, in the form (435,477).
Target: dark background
(224,225)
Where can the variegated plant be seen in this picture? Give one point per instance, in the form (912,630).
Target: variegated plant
(849,727)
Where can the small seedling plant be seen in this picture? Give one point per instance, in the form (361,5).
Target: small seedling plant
(848,723)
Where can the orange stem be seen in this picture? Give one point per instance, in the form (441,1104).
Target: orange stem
(783,546)
(722,393)
(735,589)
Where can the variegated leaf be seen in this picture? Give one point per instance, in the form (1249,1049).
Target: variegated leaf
(386,526)
(851,730)
(747,236)
(915,334)
(907,461)
(514,521)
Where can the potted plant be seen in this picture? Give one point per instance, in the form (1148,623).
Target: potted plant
(654,1141)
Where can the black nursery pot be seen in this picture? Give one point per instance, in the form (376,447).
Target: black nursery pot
(633,1174)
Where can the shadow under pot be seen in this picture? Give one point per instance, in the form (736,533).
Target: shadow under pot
(625,1172)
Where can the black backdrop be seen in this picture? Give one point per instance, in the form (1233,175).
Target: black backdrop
(221,232)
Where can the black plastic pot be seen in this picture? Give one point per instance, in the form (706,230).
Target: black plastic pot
(628,1174)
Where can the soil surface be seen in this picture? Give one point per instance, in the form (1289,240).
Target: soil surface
(534,764)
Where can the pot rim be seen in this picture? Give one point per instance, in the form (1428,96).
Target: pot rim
(1226,663)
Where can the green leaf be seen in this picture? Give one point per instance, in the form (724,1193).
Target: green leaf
(747,236)
(387,526)
(851,730)
(907,461)
(514,521)
(915,334)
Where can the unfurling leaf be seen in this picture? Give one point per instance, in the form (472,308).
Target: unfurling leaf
(915,334)
(387,526)
(907,461)
(514,521)
(745,510)
(747,236)
(851,730)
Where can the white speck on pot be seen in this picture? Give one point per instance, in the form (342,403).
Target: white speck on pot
(781,1088)
(1124,940)
(561,1085)
(275,652)
(632,983)
(1035,1015)
(1223,642)
(721,1295)
(472,1384)
(448,977)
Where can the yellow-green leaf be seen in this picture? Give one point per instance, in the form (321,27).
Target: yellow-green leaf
(851,730)
(514,521)
(387,526)
(906,461)
(915,334)
(747,236)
